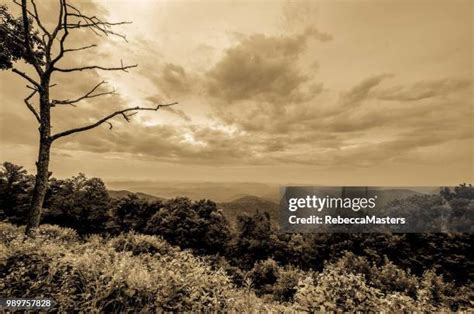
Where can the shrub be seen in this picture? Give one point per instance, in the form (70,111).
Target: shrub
(388,277)
(263,275)
(52,232)
(286,285)
(117,275)
(333,290)
(139,244)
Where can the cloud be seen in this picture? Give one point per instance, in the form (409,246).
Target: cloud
(423,89)
(180,113)
(262,68)
(169,78)
(361,91)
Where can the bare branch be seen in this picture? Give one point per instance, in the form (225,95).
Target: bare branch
(30,106)
(25,76)
(62,24)
(88,95)
(95,24)
(92,22)
(37,18)
(97,67)
(80,48)
(106,118)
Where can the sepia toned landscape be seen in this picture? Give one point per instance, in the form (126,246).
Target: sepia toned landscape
(145,145)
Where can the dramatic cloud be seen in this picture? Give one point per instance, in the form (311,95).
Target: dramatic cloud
(262,68)
(261,88)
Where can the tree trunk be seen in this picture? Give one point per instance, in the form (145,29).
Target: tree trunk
(41,185)
(42,163)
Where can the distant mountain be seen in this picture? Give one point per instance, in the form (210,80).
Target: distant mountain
(125,193)
(249,204)
(241,198)
(215,191)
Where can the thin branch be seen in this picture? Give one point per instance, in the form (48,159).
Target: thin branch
(105,120)
(97,67)
(62,24)
(25,76)
(80,48)
(30,106)
(38,20)
(88,95)
(95,24)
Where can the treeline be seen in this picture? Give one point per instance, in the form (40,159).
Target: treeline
(255,247)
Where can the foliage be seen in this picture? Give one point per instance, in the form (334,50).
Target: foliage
(196,225)
(133,213)
(462,191)
(12,42)
(98,276)
(15,189)
(343,287)
(139,244)
(264,275)
(145,273)
(79,202)
(254,241)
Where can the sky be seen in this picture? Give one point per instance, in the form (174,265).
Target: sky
(372,92)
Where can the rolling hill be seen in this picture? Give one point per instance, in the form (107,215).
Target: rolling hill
(216,191)
(125,193)
(249,205)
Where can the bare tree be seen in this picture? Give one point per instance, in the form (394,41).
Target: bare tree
(28,39)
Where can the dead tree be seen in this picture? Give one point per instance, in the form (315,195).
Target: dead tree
(42,49)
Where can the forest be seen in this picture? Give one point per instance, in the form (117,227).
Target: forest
(94,252)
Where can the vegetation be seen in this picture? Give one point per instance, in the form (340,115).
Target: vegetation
(181,255)
(147,274)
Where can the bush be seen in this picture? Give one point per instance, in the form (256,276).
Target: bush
(388,277)
(353,284)
(264,275)
(331,290)
(131,272)
(139,244)
(52,232)
(286,285)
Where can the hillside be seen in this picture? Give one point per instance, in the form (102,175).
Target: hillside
(125,193)
(249,205)
(245,204)
(216,191)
